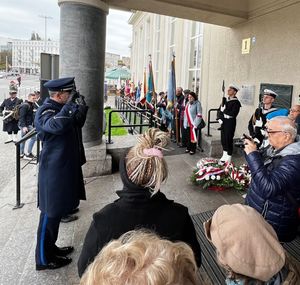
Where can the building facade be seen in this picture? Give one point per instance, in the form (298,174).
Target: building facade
(26,54)
(111,59)
(162,37)
(254,54)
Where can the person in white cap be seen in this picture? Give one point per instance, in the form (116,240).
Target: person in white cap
(229,112)
(258,119)
(7,110)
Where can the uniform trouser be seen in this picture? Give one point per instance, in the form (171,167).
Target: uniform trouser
(190,145)
(227,134)
(184,135)
(31,142)
(46,238)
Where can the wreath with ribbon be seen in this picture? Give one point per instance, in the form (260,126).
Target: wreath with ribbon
(209,174)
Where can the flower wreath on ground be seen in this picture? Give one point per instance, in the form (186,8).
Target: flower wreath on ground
(209,174)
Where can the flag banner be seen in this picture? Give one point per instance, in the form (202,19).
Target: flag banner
(138,93)
(142,101)
(172,84)
(151,89)
(144,86)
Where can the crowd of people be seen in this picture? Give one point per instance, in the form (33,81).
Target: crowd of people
(18,117)
(143,237)
(182,119)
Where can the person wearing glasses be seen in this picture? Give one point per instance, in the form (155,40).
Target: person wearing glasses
(274,188)
(294,115)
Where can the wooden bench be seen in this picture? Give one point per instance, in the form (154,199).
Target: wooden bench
(210,266)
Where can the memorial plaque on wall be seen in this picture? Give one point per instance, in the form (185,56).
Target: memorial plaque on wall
(246,94)
(284,98)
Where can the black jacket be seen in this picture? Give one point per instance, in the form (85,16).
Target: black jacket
(137,209)
(26,114)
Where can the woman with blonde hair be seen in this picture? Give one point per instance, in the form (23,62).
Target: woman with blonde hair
(141,257)
(140,203)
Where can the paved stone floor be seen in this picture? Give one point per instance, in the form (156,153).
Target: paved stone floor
(18,227)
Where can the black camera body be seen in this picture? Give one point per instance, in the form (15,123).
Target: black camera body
(241,142)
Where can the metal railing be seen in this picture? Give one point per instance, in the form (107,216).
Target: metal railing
(209,121)
(133,116)
(141,113)
(29,135)
(124,106)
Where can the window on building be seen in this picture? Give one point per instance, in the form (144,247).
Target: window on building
(196,43)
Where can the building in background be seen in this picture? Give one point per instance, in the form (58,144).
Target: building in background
(126,61)
(111,60)
(161,37)
(26,54)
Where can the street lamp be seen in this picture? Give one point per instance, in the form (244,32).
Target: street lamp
(46,18)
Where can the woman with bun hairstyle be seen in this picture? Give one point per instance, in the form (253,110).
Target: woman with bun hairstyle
(141,204)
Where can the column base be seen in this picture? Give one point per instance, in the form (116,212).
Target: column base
(98,162)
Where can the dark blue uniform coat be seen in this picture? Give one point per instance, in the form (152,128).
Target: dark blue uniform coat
(60,180)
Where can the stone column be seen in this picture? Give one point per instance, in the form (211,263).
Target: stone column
(82,54)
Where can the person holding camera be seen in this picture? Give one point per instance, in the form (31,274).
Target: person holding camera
(60,182)
(274,188)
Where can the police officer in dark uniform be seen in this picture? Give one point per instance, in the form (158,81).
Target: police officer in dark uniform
(229,112)
(60,181)
(7,109)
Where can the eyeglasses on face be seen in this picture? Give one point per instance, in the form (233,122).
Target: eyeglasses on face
(294,110)
(273,131)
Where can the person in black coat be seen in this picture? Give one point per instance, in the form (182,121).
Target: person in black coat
(7,109)
(229,112)
(26,125)
(141,204)
(60,183)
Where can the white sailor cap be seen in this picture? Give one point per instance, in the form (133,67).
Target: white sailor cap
(235,87)
(270,93)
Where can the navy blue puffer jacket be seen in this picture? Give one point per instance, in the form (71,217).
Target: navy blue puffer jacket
(275,189)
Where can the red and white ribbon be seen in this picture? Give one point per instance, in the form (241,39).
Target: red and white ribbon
(190,122)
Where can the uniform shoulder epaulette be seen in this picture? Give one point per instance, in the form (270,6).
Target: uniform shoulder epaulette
(47,111)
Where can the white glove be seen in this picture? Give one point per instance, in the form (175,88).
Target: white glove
(256,140)
(259,123)
(222,108)
(220,121)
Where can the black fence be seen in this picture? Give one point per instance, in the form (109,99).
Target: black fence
(136,119)
(124,107)
(18,164)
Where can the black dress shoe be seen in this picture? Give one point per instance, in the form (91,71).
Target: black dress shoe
(68,219)
(64,251)
(55,263)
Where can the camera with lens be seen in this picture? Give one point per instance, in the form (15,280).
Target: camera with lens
(241,142)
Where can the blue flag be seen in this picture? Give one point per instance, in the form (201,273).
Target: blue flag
(172,84)
(150,84)
(138,93)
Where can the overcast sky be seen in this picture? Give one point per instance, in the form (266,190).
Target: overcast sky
(20,17)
